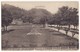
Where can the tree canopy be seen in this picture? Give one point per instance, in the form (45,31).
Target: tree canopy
(65,15)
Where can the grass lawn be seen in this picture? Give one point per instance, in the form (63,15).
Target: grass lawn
(55,38)
(18,38)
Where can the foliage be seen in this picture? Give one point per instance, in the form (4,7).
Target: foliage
(6,17)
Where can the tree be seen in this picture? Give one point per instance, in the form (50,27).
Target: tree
(65,16)
(17,13)
(6,18)
(74,16)
(68,15)
(40,16)
(43,21)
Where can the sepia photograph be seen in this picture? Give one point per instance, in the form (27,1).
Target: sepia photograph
(38,25)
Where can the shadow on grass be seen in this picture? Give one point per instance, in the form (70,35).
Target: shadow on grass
(3,32)
(57,33)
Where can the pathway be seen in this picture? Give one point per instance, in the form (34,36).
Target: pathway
(62,31)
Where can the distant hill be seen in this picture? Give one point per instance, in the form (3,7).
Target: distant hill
(15,11)
(33,15)
(38,14)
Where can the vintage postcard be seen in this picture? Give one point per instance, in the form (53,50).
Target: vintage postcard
(40,25)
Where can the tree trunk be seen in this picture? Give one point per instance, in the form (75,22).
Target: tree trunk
(58,29)
(73,34)
(66,32)
(5,28)
(74,26)
(69,27)
(57,26)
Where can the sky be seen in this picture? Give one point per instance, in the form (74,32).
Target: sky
(48,5)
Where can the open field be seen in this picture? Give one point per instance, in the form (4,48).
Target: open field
(40,38)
